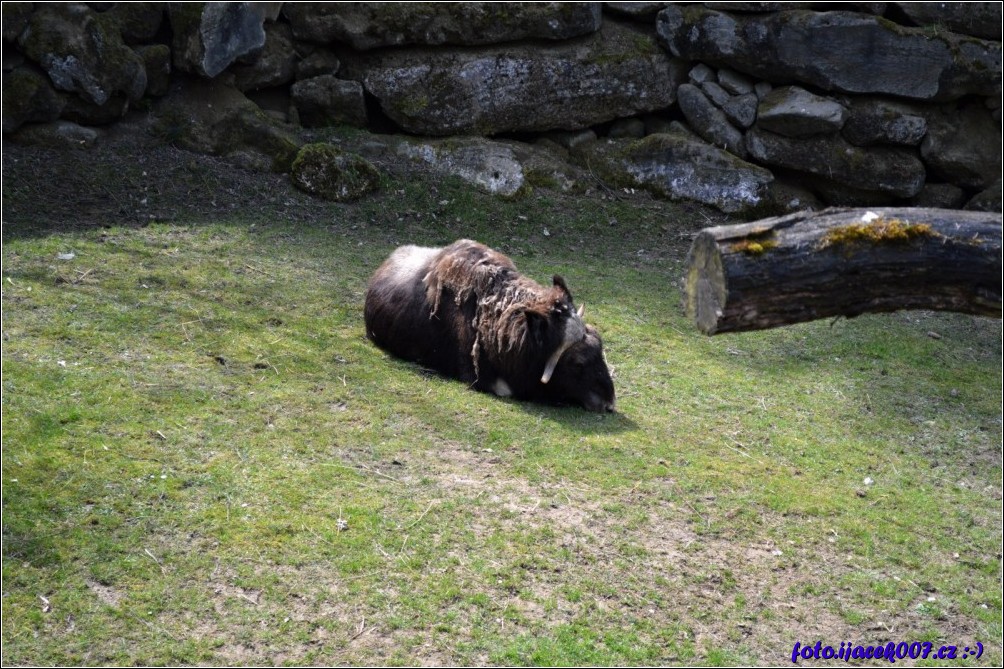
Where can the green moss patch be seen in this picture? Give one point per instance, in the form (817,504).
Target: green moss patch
(330,173)
(879,231)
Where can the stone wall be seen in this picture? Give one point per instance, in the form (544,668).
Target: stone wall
(752,107)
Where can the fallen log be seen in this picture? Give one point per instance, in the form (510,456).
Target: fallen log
(843,262)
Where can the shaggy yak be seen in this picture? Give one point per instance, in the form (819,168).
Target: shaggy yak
(465,311)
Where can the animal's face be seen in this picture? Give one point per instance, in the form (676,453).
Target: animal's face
(582,376)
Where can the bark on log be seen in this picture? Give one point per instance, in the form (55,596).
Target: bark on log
(843,262)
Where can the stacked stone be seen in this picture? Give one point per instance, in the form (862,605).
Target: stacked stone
(750,107)
(917,121)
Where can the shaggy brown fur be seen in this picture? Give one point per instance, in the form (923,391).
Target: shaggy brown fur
(465,311)
(508,303)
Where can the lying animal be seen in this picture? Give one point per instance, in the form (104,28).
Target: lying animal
(465,311)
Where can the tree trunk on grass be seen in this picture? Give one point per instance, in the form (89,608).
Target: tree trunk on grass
(843,262)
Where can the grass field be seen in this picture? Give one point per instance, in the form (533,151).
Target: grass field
(206,462)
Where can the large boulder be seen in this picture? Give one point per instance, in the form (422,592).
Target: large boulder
(28,97)
(210,36)
(963,146)
(83,53)
(274,66)
(617,72)
(889,170)
(835,51)
(327,100)
(368,25)
(207,116)
(679,167)
(490,166)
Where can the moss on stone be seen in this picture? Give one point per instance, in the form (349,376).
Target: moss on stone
(330,173)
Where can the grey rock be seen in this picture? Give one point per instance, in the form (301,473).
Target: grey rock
(715,93)
(701,73)
(795,112)
(627,127)
(83,53)
(274,66)
(208,116)
(987,200)
(979,19)
(891,170)
(368,25)
(211,36)
(490,166)
(157,63)
(327,100)
(639,11)
(835,51)
(741,110)
(882,121)
(939,196)
(328,172)
(963,146)
(678,167)
(59,135)
(615,73)
(28,97)
(734,82)
(708,121)
(321,61)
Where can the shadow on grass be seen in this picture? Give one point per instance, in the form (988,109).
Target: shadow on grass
(576,418)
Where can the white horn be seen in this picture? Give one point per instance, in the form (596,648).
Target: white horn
(552,362)
(582,310)
(574,331)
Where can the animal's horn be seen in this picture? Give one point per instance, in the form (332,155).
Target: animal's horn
(574,331)
(582,310)
(552,362)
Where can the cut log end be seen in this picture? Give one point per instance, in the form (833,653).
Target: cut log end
(843,262)
(705,284)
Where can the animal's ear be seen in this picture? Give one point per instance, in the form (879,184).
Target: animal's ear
(560,283)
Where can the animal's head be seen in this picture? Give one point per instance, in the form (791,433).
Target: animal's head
(575,371)
(582,377)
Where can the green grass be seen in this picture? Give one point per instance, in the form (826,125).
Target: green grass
(190,410)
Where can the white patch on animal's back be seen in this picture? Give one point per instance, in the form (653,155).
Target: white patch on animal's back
(408,262)
(501,388)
